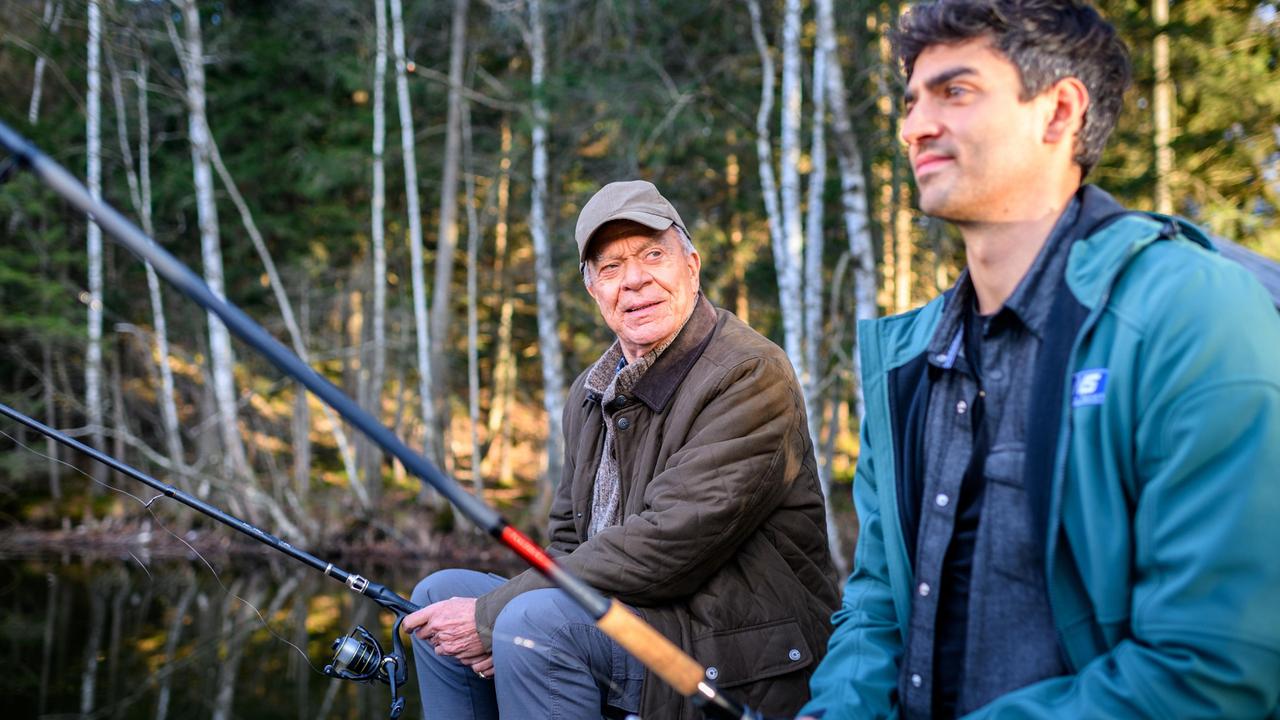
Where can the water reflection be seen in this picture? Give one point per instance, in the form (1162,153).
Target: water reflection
(108,638)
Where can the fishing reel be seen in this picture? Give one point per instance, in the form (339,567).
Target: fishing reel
(358,656)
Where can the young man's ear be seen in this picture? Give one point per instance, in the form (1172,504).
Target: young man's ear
(1070,100)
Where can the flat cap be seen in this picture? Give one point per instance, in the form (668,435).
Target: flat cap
(635,200)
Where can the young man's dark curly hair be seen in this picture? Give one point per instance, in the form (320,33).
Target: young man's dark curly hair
(1046,40)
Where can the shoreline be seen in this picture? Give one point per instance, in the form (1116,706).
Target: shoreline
(159,544)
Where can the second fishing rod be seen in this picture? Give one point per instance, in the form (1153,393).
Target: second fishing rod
(357,656)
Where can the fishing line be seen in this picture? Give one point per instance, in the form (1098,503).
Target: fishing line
(146,504)
(662,656)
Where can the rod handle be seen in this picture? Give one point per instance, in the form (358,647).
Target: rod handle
(651,648)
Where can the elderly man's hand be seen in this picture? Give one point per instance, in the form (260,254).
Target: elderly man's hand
(450,627)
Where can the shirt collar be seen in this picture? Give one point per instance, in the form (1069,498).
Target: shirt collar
(1028,304)
(1032,298)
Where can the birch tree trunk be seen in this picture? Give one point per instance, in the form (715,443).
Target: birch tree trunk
(93,133)
(813,249)
(447,230)
(853,188)
(191,51)
(290,321)
(430,440)
(139,181)
(1162,107)
(764,155)
(790,262)
(377,234)
(548,312)
(51,19)
(815,379)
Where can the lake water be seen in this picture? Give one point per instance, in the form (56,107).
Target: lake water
(118,638)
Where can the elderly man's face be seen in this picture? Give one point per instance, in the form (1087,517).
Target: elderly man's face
(645,287)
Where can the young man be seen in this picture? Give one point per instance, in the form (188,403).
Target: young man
(690,493)
(1069,482)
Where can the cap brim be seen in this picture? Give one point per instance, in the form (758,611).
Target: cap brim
(649,220)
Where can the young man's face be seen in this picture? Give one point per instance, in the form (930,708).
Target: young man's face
(978,152)
(645,288)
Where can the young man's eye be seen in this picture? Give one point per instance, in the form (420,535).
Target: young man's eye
(955,91)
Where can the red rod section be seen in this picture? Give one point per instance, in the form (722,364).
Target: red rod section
(526,549)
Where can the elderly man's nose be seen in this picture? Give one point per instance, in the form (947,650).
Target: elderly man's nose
(634,274)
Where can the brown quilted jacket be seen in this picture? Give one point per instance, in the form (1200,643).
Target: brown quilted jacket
(723,543)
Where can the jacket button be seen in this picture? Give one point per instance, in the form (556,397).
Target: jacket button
(712,673)
(620,400)
(578,514)
(624,423)
(916,680)
(794,654)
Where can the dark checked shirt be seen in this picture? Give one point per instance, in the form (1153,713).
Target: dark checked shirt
(980,618)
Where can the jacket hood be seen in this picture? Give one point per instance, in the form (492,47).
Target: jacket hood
(1107,236)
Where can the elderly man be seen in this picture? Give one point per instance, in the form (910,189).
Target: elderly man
(689,493)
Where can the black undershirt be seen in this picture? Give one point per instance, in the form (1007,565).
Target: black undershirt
(957,569)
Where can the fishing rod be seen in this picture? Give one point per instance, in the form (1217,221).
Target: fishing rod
(682,672)
(357,656)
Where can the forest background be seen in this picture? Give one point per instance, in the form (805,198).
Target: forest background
(392,190)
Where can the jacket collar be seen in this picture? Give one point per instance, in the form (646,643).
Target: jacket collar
(1109,236)
(659,383)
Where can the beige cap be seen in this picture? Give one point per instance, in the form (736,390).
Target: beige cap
(635,200)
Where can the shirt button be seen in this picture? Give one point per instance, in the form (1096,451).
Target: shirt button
(623,423)
(916,680)
(961,407)
(923,589)
(794,654)
(941,500)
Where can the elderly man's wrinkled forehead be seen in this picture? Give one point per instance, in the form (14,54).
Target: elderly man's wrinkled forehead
(627,229)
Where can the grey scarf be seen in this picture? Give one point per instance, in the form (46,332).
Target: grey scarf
(608,381)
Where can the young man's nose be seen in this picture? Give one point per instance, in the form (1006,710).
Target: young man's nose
(918,124)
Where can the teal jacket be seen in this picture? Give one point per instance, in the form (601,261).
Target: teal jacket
(1162,518)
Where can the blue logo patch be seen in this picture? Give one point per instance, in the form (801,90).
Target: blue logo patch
(1089,387)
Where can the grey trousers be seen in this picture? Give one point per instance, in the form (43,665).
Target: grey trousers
(549,660)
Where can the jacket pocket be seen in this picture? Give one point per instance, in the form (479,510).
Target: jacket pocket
(745,655)
(1006,517)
